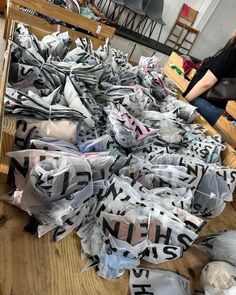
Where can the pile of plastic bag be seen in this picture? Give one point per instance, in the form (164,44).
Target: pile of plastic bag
(105,149)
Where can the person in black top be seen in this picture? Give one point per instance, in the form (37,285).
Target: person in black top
(221,65)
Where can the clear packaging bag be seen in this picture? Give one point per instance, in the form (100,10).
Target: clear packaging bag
(218,278)
(221,246)
(157,281)
(211,196)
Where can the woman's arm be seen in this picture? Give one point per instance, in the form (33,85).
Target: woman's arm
(207,81)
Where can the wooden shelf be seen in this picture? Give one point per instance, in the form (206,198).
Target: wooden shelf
(66,16)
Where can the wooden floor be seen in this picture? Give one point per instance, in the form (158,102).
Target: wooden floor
(32,266)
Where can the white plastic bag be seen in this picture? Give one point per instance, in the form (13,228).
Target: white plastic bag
(222,246)
(158,282)
(218,278)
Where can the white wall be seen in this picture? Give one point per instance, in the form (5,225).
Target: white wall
(217,30)
(170,13)
(216,20)
(172,8)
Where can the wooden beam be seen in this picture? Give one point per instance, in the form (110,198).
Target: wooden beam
(4,79)
(8,138)
(228,130)
(7,125)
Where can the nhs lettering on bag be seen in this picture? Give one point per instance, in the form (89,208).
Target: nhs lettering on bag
(159,253)
(141,282)
(135,233)
(195,169)
(229,176)
(144,281)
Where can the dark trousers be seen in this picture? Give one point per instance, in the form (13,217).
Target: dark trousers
(210,112)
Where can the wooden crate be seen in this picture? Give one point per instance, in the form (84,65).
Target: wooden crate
(7,125)
(41,27)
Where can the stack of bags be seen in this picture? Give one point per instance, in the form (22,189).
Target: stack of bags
(106,150)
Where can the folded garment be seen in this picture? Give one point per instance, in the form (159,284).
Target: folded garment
(22,105)
(206,148)
(126,218)
(56,186)
(127,130)
(188,65)
(185,111)
(170,130)
(158,176)
(211,196)
(28,129)
(52,144)
(74,102)
(24,161)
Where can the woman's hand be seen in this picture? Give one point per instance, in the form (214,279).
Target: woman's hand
(207,81)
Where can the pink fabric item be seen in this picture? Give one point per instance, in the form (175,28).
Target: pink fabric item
(135,124)
(185,11)
(188,65)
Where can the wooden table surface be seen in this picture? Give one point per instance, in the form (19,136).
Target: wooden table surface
(180,81)
(32,266)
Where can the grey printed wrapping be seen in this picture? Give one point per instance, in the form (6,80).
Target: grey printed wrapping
(28,129)
(221,246)
(157,281)
(107,152)
(23,105)
(123,215)
(56,186)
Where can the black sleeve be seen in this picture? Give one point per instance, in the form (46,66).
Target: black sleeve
(224,63)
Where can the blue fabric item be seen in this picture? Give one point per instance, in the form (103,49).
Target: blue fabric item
(210,112)
(113,264)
